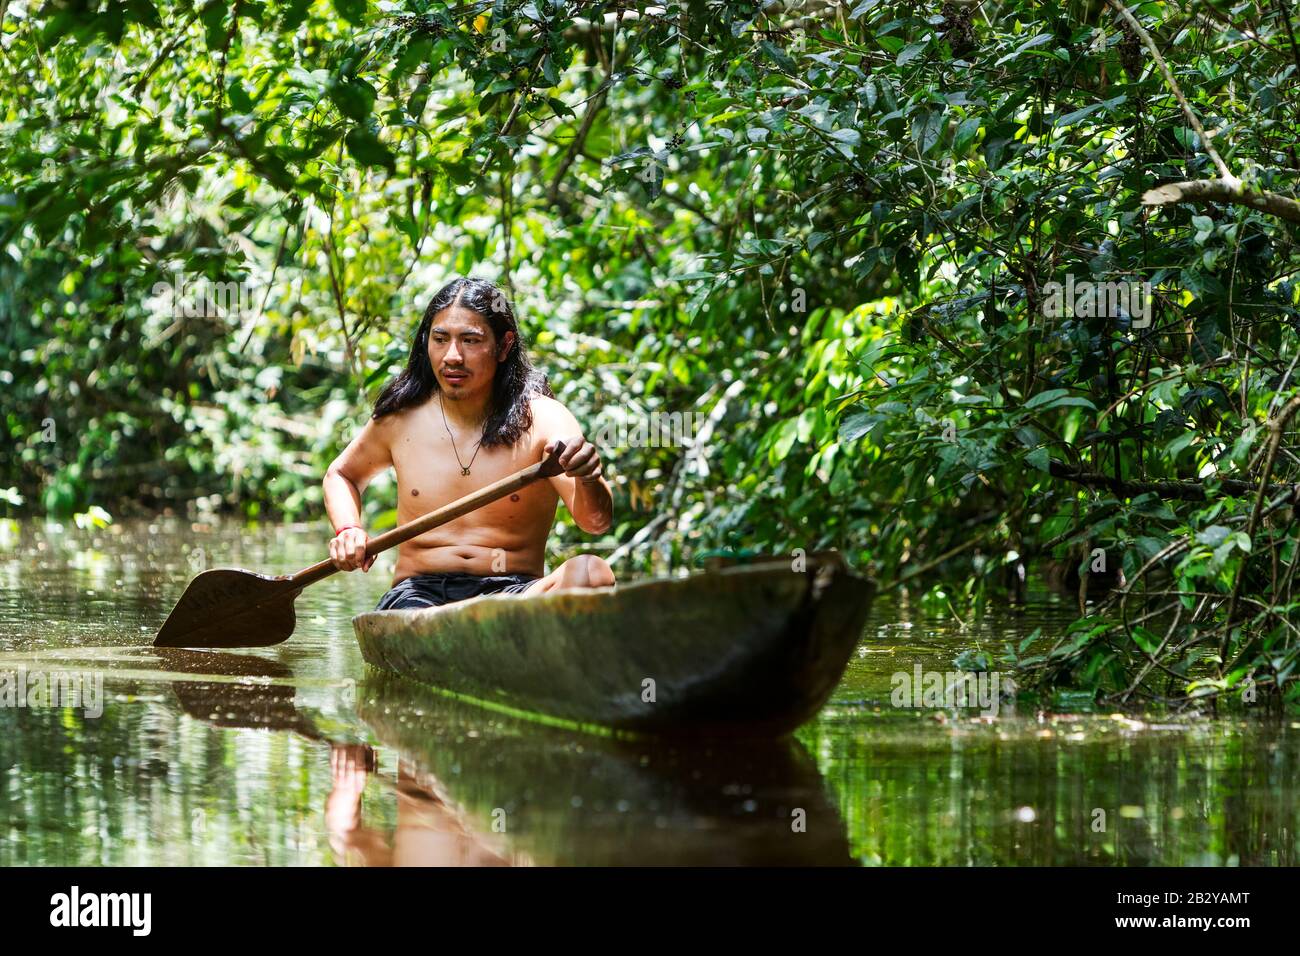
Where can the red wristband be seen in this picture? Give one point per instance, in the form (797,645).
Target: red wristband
(339,531)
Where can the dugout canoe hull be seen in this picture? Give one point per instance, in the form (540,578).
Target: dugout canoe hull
(749,651)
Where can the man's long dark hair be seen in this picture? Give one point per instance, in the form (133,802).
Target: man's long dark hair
(516,380)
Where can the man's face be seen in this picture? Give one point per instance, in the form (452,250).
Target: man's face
(465,353)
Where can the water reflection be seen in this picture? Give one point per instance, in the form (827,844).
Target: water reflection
(297,755)
(1065,791)
(430,830)
(563,797)
(263,705)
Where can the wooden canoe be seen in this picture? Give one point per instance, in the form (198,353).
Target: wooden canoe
(751,651)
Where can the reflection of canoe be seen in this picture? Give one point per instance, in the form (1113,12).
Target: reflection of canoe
(563,798)
(746,651)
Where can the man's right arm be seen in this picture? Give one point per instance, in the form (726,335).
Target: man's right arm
(346,478)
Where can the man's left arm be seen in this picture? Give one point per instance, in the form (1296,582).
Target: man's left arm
(582,486)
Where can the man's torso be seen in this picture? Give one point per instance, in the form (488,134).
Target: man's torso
(507,536)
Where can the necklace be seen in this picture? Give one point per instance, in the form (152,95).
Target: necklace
(464,468)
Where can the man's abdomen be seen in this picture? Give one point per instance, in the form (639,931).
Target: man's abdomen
(507,536)
(415,558)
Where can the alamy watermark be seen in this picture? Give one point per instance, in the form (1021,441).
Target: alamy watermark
(1089,299)
(652,430)
(950,689)
(75,908)
(37,689)
(190,297)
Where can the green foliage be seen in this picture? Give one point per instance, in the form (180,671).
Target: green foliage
(830,234)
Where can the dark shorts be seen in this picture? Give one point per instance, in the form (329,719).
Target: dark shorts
(447,587)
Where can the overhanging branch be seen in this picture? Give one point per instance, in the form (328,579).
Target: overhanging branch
(1173,490)
(1232,191)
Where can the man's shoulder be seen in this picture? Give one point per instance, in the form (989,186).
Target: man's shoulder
(548,409)
(401,416)
(395,424)
(551,419)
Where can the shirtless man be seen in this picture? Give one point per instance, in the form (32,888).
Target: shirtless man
(468,410)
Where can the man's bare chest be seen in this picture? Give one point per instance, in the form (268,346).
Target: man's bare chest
(432,470)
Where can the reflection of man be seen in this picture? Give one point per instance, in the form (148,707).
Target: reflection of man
(430,832)
(468,410)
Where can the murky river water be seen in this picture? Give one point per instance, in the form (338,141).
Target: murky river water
(299,754)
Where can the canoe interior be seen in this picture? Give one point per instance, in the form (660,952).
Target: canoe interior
(747,651)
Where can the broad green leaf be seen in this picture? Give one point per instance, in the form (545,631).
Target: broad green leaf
(910,53)
(354,11)
(926,127)
(366,149)
(354,97)
(966,133)
(1055,398)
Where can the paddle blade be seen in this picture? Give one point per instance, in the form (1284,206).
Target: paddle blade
(231,608)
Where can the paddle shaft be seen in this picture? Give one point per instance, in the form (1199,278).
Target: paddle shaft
(545,468)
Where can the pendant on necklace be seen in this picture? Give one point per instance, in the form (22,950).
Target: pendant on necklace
(464,470)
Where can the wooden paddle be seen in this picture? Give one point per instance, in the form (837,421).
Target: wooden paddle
(227,607)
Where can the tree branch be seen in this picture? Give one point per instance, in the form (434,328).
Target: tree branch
(1176,490)
(1232,191)
(1174,88)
